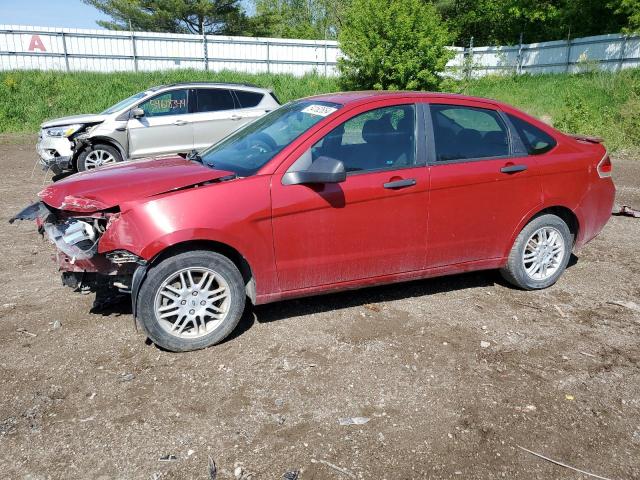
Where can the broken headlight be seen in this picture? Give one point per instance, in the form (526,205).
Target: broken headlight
(76,238)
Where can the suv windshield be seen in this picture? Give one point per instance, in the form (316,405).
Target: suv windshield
(124,103)
(247,150)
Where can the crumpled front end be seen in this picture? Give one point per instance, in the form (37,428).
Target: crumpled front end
(56,153)
(76,236)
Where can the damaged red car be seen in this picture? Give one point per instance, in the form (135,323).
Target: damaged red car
(329,193)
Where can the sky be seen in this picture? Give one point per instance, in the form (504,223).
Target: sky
(52,13)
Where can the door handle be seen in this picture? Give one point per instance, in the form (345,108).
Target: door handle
(407,182)
(236,117)
(513,168)
(180,122)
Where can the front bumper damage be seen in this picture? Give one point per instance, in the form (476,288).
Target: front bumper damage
(76,236)
(56,153)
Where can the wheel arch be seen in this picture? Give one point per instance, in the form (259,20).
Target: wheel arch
(89,142)
(566,214)
(562,211)
(219,247)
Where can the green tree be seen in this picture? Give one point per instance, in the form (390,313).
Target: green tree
(315,19)
(173,16)
(500,22)
(484,20)
(393,44)
(630,10)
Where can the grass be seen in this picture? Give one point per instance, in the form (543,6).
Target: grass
(596,103)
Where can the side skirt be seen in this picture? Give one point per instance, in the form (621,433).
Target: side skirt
(383,280)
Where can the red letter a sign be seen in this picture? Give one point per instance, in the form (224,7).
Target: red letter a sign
(36,43)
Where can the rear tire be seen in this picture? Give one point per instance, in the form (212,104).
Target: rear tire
(191,301)
(540,253)
(98,155)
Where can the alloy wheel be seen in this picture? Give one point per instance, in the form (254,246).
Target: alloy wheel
(543,253)
(98,158)
(192,302)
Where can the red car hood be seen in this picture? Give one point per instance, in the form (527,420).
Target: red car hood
(110,186)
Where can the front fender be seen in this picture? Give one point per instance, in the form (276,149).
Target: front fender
(235,213)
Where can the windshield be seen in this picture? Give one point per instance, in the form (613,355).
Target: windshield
(247,150)
(124,103)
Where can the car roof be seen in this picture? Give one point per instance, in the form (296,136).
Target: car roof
(235,86)
(346,98)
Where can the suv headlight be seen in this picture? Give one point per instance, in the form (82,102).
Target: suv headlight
(63,131)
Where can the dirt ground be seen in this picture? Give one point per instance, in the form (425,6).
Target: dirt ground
(90,399)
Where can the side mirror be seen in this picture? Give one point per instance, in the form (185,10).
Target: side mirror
(137,113)
(323,170)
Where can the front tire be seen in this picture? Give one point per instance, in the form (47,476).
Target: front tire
(540,254)
(97,156)
(191,301)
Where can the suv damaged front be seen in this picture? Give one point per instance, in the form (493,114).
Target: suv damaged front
(60,140)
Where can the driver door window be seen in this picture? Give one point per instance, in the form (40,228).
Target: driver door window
(380,139)
(170,103)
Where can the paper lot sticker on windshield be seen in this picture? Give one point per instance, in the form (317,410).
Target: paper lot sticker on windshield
(321,110)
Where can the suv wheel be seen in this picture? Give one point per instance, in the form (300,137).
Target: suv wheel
(191,301)
(98,155)
(540,253)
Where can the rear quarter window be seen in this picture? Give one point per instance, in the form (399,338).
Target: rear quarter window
(535,140)
(248,99)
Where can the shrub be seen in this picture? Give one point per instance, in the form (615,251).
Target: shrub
(393,45)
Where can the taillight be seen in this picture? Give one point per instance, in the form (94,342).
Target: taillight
(605,167)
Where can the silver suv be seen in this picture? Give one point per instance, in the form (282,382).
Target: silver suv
(162,120)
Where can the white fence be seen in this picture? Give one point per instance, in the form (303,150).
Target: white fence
(70,49)
(608,52)
(42,48)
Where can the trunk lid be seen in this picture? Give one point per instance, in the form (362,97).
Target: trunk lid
(586,138)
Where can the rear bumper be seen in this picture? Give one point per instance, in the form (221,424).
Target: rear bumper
(594,211)
(56,153)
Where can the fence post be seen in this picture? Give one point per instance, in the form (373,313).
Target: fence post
(623,52)
(268,57)
(205,50)
(64,49)
(568,67)
(520,59)
(133,49)
(468,58)
(325,57)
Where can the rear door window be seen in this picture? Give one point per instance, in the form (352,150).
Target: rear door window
(213,100)
(535,140)
(174,102)
(466,133)
(248,99)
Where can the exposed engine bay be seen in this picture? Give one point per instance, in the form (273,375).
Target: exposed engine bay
(76,237)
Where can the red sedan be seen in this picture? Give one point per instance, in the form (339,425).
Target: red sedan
(329,193)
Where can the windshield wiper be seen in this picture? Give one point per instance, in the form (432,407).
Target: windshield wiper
(195,156)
